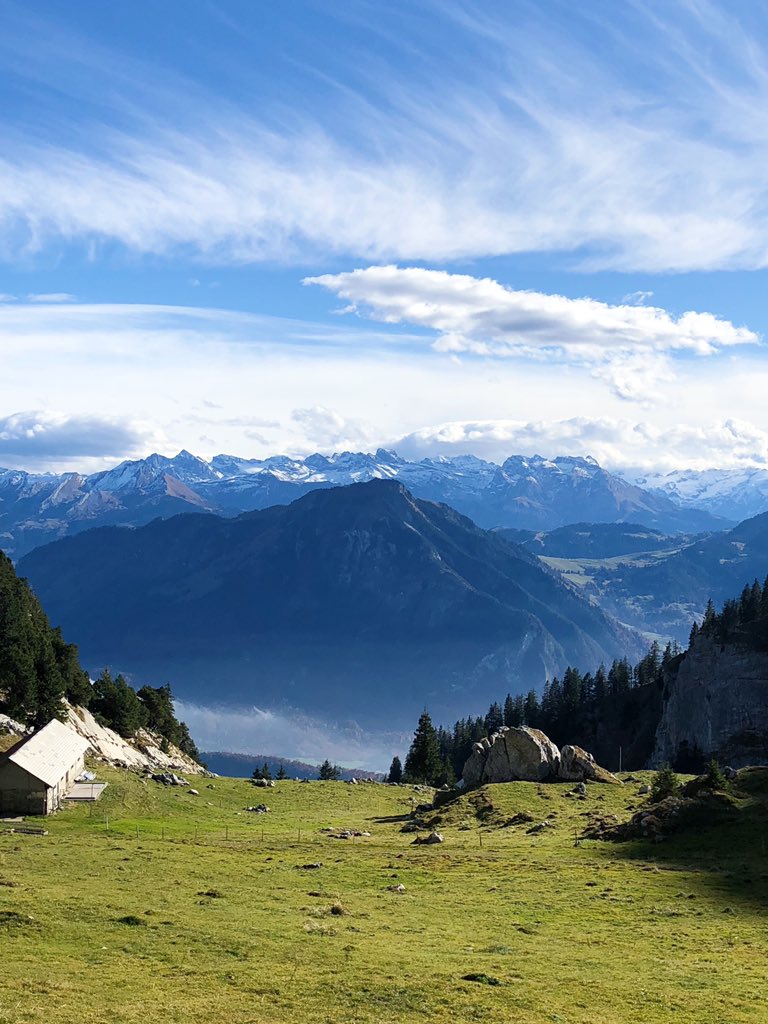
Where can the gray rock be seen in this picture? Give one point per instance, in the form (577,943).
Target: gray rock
(434,837)
(510,755)
(541,827)
(579,765)
(431,840)
(718,701)
(169,779)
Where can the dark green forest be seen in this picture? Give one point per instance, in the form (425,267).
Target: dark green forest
(39,670)
(612,712)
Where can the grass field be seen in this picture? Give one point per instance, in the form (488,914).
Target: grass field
(188,909)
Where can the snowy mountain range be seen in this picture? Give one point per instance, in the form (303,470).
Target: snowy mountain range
(531,493)
(731,493)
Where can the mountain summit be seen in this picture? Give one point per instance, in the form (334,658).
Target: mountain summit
(524,493)
(351,601)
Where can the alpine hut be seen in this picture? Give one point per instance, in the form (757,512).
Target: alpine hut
(37,773)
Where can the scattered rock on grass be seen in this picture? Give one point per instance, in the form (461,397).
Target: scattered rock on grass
(169,779)
(535,829)
(431,840)
(13,919)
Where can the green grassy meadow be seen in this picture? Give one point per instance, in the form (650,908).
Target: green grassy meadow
(188,909)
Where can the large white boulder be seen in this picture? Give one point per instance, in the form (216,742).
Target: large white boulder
(512,754)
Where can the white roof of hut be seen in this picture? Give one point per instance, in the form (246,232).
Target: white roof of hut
(49,753)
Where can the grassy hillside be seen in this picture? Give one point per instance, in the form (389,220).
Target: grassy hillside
(189,909)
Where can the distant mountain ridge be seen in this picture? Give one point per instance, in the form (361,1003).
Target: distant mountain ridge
(733,493)
(352,601)
(241,766)
(666,595)
(524,493)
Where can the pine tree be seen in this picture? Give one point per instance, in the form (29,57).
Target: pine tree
(329,772)
(116,705)
(395,771)
(710,617)
(509,711)
(693,634)
(281,772)
(531,712)
(665,782)
(265,771)
(715,776)
(601,684)
(423,763)
(257,774)
(571,690)
(494,718)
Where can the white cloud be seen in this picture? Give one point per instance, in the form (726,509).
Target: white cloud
(164,370)
(290,733)
(5,297)
(637,298)
(52,297)
(629,345)
(34,437)
(326,428)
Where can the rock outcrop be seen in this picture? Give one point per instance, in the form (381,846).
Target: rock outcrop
(523,754)
(716,703)
(143,752)
(578,765)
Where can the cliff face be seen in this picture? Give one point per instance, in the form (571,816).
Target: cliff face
(717,701)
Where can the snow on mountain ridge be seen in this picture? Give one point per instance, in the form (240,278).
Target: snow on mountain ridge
(739,493)
(525,492)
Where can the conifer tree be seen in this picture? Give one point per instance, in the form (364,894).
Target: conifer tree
(494,718)
(423,763)
(329,772)
(116,705)
(395,770)
(601,684)
(531,712)
(281,772)
(509,711)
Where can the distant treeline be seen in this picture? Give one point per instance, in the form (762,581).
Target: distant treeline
(39,670)
(611,712)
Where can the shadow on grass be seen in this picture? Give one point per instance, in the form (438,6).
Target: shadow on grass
(721,844)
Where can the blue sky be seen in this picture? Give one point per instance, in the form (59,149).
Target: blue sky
(187,190)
